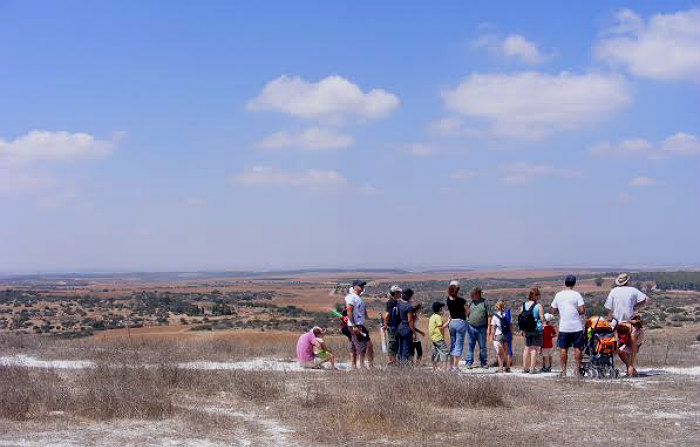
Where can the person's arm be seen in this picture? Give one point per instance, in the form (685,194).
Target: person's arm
(582,309)
(466,309)
(351,318)
(554,307)
(541,312)
(411,321)
(385,320)
(489,334)
(325,347)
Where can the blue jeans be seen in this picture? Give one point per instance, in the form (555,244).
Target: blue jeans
(458,329)
(476,335)
(404,344)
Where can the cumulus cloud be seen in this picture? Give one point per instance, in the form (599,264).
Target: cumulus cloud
(513,45)
(332,99)
(534,104)
(44,146)
(516,45)
(665,47)
(419,149)
(639,182)
(311,139)
(523,172)
(678,145)
(265,175)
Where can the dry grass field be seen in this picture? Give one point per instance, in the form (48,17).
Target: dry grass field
(167,385)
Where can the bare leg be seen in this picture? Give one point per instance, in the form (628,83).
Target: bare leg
(526,357)
(354,361)
(578,356)
(563,358)
(534,353)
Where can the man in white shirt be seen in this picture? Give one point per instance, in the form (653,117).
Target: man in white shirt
(622,304)
(569,305)
(360,343)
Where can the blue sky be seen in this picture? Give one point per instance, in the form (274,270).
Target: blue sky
(179,136)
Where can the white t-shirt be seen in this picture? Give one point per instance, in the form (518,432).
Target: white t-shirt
(358,308)
(498,322)
(622,300)
(567,302)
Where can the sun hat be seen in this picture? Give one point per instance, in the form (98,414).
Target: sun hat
(437,305)
(454,282)
(358,283)
(394,289)
(622,279)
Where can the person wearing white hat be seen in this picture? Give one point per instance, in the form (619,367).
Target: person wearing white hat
(622,304)
(390,321)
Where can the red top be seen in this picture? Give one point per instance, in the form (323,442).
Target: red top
(547,335)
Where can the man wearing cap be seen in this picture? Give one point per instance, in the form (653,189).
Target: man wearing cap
(360,343)
(569,305)
(391,321)
(622,304)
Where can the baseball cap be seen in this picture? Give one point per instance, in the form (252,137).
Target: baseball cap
(454,282)
(394,289)
(359,283)
(548,317)
(437,305)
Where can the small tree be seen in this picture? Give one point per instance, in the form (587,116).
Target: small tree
(599,282)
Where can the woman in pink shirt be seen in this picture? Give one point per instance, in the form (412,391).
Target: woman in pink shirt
(305,347)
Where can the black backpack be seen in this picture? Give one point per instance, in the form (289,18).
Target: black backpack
(526,319)
(505,326)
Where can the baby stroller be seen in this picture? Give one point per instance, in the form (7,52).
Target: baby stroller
(599,351)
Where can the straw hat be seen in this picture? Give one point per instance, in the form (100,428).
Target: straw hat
(622,279)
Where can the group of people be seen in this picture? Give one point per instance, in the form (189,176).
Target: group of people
(474,322)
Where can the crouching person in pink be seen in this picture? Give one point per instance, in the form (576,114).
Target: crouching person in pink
(312,351)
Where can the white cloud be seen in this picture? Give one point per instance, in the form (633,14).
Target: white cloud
(680,144)
(639,182)
(14,182)
(265,175)
(369,190)
(419,149)
(516,45)
(523,172)
(312,139)
(534,104)
(513,45)
(446,126)
(666,47)
(44,146)
(462,175)
(332,99)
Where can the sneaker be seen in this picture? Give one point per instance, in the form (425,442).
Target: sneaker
(485,366)
(470,366)
(507,370)
(526,371)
